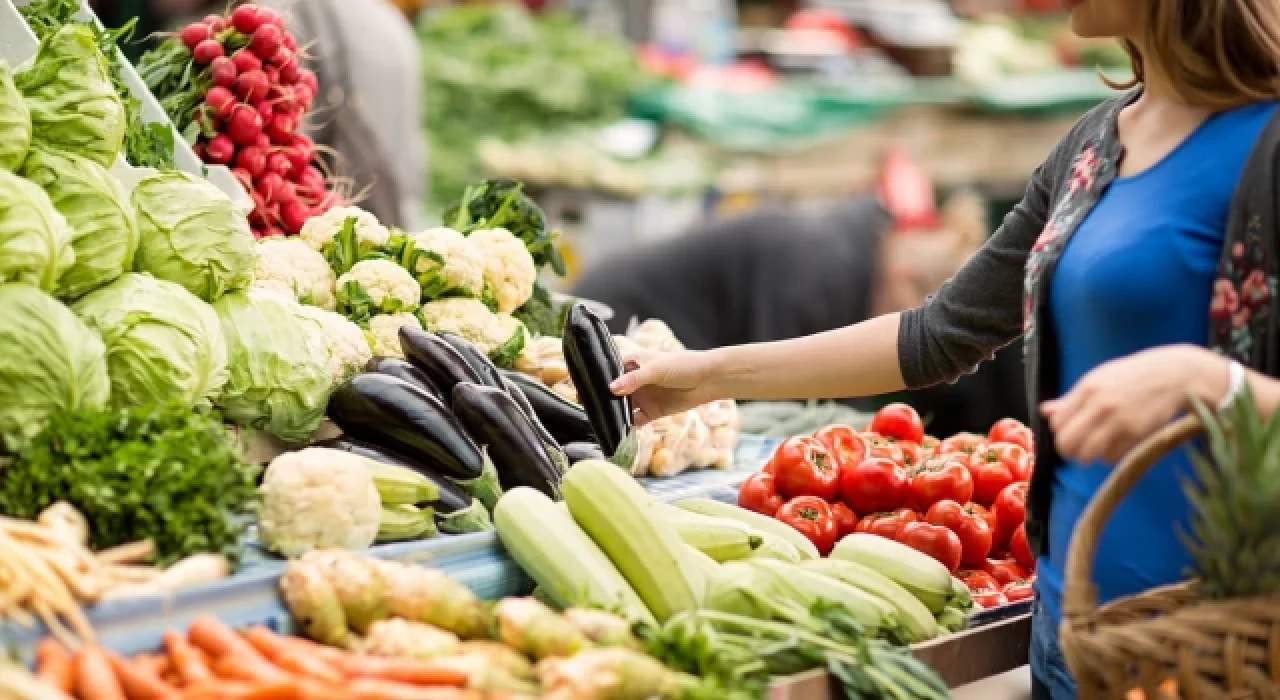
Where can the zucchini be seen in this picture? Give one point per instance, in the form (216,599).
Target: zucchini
(918,624)
(719,538)
(878,617)
(400,486)
(921,575)
(706,506)
(405,522)
(774,547)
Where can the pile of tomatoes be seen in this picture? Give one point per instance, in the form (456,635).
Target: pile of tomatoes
(961,500)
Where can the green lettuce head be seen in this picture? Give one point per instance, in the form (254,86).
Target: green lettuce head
(35,240)
(190,233)
(49,361)
(95,204)
(15,121)
(279,362)
(163,344)
(74,107)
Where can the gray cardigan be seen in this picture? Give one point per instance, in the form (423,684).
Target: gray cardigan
(1000,294)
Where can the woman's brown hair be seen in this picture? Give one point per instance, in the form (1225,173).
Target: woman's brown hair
(1217,53)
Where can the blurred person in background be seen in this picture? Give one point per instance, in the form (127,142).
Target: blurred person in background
(368,109)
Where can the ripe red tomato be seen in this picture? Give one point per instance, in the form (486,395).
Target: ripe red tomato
(970,526)
(884,448)
(930,444)
(991,474)
(1018,590)
(898,421)
(888,525)
(811,517)
(1010,509)
(846,519)
(1015,457)
(962,443)
(1012,431)
(1005,571)
(1021,549)
(978,581)
(759,494)
(873,485)
(770,467)
(843,442)
(989,599)
(939,479)
(805,468)
(913,455)
(990,517)
(934,540)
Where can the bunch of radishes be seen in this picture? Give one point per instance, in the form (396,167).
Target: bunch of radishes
(255,95)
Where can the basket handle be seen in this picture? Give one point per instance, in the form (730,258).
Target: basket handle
(1080,598)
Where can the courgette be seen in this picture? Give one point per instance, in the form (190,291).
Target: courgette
(921,575)
(706,506)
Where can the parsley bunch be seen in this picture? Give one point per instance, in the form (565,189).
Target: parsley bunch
(165,473)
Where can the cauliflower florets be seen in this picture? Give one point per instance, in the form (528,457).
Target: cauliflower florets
(292,266)
(372,287)
(461,273)
(509,271)
(319,231)
(384,333)
(349,349)
(499,336)
(318,498)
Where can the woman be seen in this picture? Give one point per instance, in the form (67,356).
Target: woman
(1153,223)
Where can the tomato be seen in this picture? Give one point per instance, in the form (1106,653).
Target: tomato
(930,443)
(770,467)
(912,454)
(1012,431)
(898,421)
(806,468)
(811,517)
(873,485)
(1010,509)
(1021,549)
(978,581)
(1018,590)
(991,474)
(986,515)
(843,442)
(939,479)
(989,599)
(934,540)
(1005,571)
(970,526)
(888,525)
(1015,457)
(759,493)
(886,449)
(963,443)
(846,520)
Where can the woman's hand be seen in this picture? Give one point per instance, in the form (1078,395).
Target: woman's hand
(665,383)
(1122,402)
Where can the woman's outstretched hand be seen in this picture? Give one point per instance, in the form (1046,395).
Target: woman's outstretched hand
(664,383)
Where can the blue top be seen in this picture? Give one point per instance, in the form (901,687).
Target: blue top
(1138,273)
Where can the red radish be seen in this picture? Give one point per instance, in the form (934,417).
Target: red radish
(246,61)
(287,101)
(244,126)
(265,41)
(272,73)
(220,149)
(252,160)
(263,141)
(193,34)
(247,18)
(300,152)
(273,232)
(308,78)
(269,186)
(220,100)
(206,51)
(280,128)
(289,42)
(223,71)
(266,16)
(266,110)
(251,86)
(310,179)
(279,164)
(293,215)
(245,179)
(216,23)
(289,72)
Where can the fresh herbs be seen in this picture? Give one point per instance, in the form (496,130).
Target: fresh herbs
(164,473)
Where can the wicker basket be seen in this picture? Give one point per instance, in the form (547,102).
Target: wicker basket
(1211,649)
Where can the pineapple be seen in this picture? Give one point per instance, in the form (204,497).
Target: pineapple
(1235,498)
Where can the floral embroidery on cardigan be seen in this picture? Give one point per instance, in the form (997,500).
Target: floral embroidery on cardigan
(1242,295)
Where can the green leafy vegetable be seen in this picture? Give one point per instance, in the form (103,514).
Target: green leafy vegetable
(542,315)
(35,240)
(163,473)
(504,204)
(15,121)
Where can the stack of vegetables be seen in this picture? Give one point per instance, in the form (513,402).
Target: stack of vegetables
(961,500)
(233,85)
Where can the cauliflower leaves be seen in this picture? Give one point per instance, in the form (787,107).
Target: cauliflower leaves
(373,287)
(446,263)
(345,236)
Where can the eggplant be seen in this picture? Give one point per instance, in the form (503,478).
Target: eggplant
(483,366)
(394,414)
(582,451)
(518,452)
(456,512)
(403,369)
(565,420)
(594,364)
(431,354)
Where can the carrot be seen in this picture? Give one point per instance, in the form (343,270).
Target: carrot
(243,667)
(54,665)
(138,680)
(374,689)
(217,639)
(188,664)
(231,690)
(295,659)
(404,671)
(94,678)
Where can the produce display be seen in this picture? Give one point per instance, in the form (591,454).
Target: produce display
(961,501)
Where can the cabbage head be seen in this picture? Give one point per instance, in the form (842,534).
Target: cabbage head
(95,204)
(74,107)
(49,361)
(163,344)
(191,234)
(15,121)
(279,364)
(35,240)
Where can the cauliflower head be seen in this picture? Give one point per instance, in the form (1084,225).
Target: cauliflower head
(384,333)
(450,264)
(374,287)
(320,231)
(318,498)
(509,271)
(499,336)
(349,349)
(292,266)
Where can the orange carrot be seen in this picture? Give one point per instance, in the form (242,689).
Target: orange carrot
(374,689)
(404,671)
(54,665)
(138,680)
(232,690)
(94,678)
(252,668)
(188,664)
(301,644)
(294,659)
(217,639)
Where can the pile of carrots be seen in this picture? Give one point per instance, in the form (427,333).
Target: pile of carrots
(214,662)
